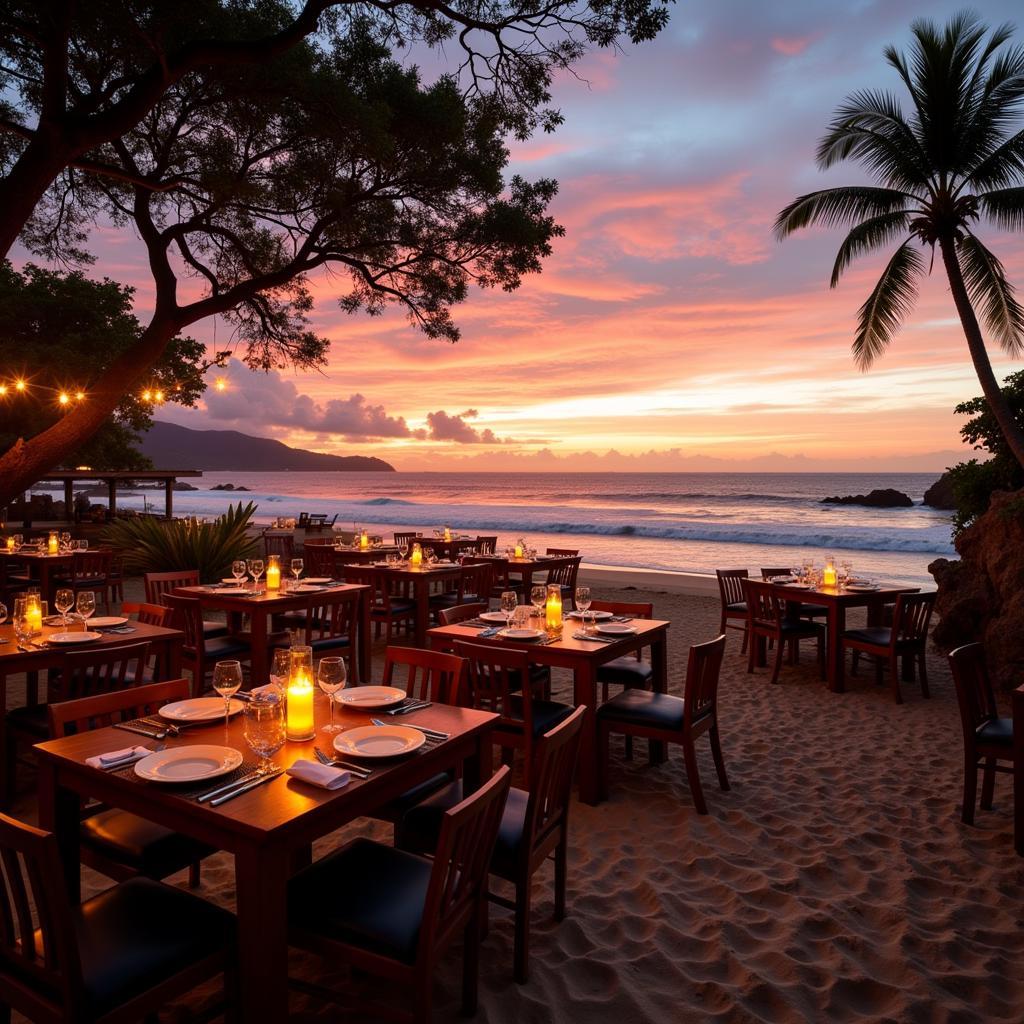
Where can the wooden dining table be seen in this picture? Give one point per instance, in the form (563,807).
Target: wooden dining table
(837,600)
(526,568)
(262,606)
(44,567)
(582,658)
(269,830)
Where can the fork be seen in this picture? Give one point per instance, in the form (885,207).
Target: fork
(434,735)
(333,762)
(131,759)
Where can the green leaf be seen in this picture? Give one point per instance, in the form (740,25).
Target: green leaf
(888,304)
(992,292)
(867,236)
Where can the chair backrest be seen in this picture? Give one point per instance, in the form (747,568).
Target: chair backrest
(100,670)
(974,691)
(405,538)
(160,583)
(318,560)
(634,609)
(187,615)
(570,552)
(433,675)
(102,709)
(765,608)
(486,545)
(700,694)
(495,675)
(328,620)
(554,763)
(461,612)
(280,544)
(770,573)
(565,573)
(475,580)
(90,566)
(730,585)
(150,614)
(303,520)
(38,953)
(461,861)
(911,617)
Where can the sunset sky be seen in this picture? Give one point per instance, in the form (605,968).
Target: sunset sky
(669,329)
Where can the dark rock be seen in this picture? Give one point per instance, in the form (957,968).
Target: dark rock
(240,488)
(981,596)
(222,487)
(884,497)
(181,485)
(940,494)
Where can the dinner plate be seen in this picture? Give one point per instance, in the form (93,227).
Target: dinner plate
(307,588)
(233,592)
(616,628)
(317,579)
(783,579)
(522,634)
(371,696)
(73,638)
(379,741)
(591,616)
(798,586)
(229,581)
(200,709)
(492,617)
(862,587)
(858,581)
(107,620)
(188,764)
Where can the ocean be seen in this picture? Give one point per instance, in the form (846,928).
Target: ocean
(688,522)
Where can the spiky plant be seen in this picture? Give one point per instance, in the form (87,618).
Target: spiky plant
(956,158)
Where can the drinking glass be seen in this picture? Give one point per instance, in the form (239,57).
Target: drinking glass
(65,541)
(256,571)
(509,603)
(86,605)
(3,613)
(264,729)
(403,550)
(296,568)
(239,569)
(280,666)
(331,678)
(22,627)
(538,596)
(583,603)
(64,601)
(83,545)
(227,679)
(19,539)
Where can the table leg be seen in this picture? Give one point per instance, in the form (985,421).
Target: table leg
(834,654)
(1018,770)
(421,592)
(364,638)
(59,813)
(258,661)
(585,692)
(261,882)
(656,753)
(477,768)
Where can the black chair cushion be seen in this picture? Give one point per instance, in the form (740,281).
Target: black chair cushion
(214,629)
(813,611)
(998,731)
(366,895)
(227,647)
(626,672)
(395,809)
(148,848)
(329,643)
(737,606)
(139,933)
(644,708)
(800,627)
(34,721)
(420,827)
(399,606)
(877,636)
(546,713)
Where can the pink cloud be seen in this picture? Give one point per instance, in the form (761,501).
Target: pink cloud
(792,46)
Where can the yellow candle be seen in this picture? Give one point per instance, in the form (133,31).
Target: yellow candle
(519,551)
(53,545)
(274,574)
(300,707)
(828,576)
(364,541)
(34,614)
(553,609)
(416,558)
(10,543)
(447,533)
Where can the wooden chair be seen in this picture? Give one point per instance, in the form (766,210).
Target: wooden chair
(405,910)
(116,576)
(406,538)
(568,552)
(115,843)
(330,628)
(534,828)
(734,604)
(906,638)
(392,604)
(987,737)
(149,614)
(486,545)
(768,618)
(432,675)
(807,611)
(280,544)
(501,581)
(473,585)
(79,674)
(500,681)
(118,957)
(90,570)
(662,717)
(318,560)
(453,616)
(158,584)
(198,652)
(564,575)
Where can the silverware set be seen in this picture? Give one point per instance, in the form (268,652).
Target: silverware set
(410,705)
(358,770)
(432,734)
(131,759)
(222,794)
(594,638)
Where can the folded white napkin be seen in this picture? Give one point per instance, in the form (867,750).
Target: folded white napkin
(129,755)
(321,775)
(269,690)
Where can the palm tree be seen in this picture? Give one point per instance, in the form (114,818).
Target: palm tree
(937,172)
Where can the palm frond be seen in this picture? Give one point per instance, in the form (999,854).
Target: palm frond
(1000,167)
(992,293)
(888,304)
(1005,206)
(867,236)
(843,205)
(993,108)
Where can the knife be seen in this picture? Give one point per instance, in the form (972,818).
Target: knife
(151,733)
(411,707)
(595,639)
(225,786)
(238,791)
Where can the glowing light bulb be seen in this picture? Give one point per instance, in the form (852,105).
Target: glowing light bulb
(147,395)
(220,384)
(79,395)
(20,385)
(3,389)
(63,398)
(158,396)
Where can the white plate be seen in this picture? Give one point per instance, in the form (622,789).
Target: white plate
(379,741)
(317,579)
(230,581)
(107,620)
(200,709)
(73,638)
(492,617)
(797,586)
(233,592)
(371,696)
(616,629)
(591,616)
(855,587)
(188,764)
(522,634)
(782,579)
(307,589)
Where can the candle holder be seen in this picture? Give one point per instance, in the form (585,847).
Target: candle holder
(53,543)
(273,572)
(299,695)
(829,576)
(553,610)
(416,556)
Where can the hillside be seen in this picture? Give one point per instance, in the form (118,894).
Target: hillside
(174,447)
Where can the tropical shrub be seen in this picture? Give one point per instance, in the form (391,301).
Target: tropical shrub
(154,545)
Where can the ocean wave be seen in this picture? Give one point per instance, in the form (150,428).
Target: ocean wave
(384,501)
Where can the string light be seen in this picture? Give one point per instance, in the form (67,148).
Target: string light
(63,398)
(221,384)
(20,386)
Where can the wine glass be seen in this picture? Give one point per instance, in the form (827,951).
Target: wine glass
(64,601)
(509,604)
(227,679)
(3,613)
(256,571)
(331,678)
(239,569)
(65,541)
(86,605)
(280,667)
(22,627)
(264,729)
(403,550)
(538,595)
(583,604)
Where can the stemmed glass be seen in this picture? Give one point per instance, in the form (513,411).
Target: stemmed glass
(22,627)
(64,601)
(583,604)
(264,729)
(331,678)
(280,667)
(403,550)
(256,571)
(538,596)
(227,679)
(65,541)
(509,604)
(296,568)
(86,605)
(239,569)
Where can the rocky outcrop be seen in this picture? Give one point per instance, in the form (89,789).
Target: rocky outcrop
(885,497)
(981,596)
(940,494)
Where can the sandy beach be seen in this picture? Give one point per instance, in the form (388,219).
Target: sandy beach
(834,882)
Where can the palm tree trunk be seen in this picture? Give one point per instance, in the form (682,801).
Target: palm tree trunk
(1010,428)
